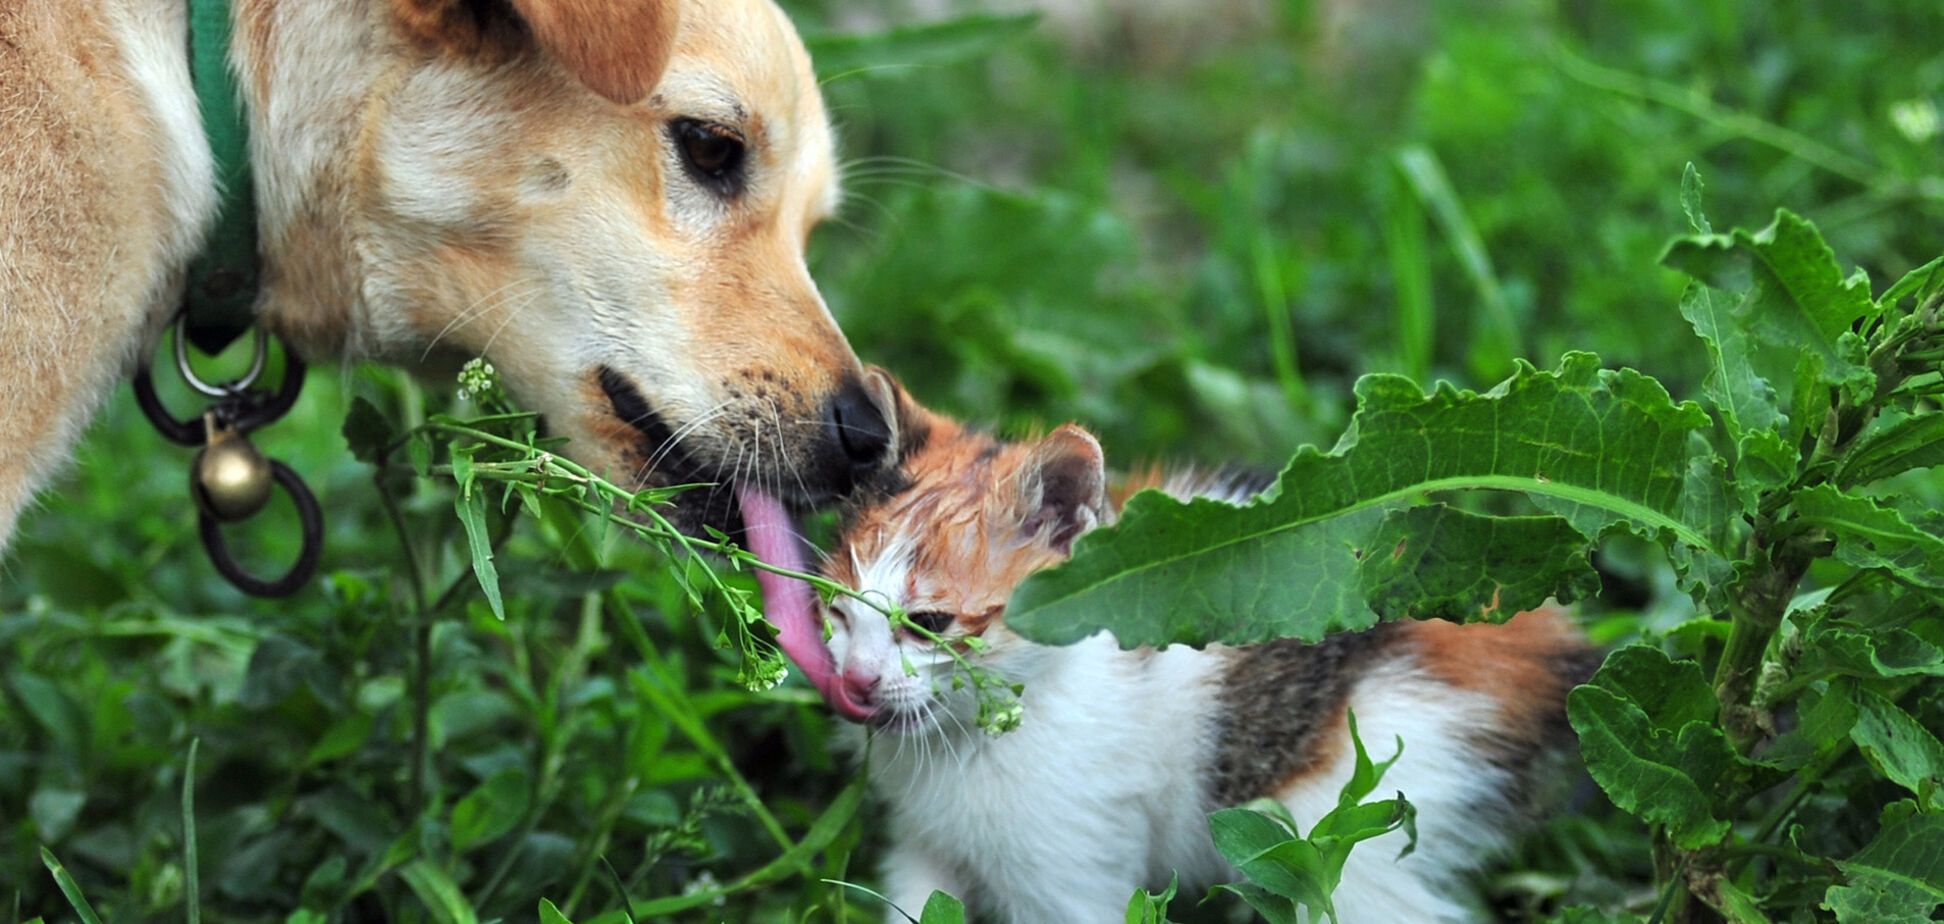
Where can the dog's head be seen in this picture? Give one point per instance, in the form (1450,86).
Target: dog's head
(610,200)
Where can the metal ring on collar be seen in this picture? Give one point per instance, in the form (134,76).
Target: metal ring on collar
(312,525)
(227,388)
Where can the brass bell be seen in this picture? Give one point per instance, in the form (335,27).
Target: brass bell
(230,479)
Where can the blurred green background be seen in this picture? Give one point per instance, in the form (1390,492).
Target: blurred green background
(1189,225)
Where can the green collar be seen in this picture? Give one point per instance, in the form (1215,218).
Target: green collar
(220,297)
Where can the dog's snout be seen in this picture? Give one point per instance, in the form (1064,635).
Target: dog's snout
(858,426)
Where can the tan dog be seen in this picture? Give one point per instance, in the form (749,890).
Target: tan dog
(607,198)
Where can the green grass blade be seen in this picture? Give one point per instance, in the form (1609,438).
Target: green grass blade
(70,888)
(192,887)
(1410,267)
(1495,335)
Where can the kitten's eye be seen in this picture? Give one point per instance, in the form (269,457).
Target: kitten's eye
(712,154)
(933,621)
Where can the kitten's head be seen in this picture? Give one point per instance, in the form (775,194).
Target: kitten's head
(947,536)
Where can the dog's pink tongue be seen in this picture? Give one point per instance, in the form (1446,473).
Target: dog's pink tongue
(789,603)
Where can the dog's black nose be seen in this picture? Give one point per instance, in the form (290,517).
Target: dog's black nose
(857,426)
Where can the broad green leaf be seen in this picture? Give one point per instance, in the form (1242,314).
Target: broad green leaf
(899,51)
(1871,535)
(941,908)
(367,431)
(491,810)
(1797,294)
(549,914)
(1509,564)
(1647,735)
(1291,564)
(438,893)
(1894,443)
(1274,908)
(345,736)
(1899,746)
(1821,727)
(1898,878)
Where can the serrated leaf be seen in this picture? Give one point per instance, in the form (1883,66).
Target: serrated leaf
(1899,746)
(1871,535)
(1830,646)
(1894,443)
(1797,294)
(899,51)
(1508,565)
(1290,565)
(1763,463)
(1898,878)
(941,908)
(1647,735)
(1745,400)
(1691,190)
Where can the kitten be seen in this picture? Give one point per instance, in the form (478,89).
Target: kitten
(1107,783)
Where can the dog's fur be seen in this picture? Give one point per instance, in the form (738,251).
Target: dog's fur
(438,179)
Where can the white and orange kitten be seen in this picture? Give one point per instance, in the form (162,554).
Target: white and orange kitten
(1107,783)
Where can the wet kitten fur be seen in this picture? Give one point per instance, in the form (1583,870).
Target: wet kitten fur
(1107,783)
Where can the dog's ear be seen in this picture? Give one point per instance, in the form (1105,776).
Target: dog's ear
(617,48)
(1062,488)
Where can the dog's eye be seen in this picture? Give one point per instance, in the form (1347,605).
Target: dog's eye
(932,621)
(712,154)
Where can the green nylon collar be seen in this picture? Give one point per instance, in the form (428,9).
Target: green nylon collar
(220,297)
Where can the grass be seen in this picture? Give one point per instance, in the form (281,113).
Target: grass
(1195,254)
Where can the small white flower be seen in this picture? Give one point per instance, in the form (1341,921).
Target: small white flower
(477,378)
(1916,119)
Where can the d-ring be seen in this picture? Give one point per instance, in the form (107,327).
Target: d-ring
(311,521)
(228,388)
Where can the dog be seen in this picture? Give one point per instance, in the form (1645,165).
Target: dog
(607,199)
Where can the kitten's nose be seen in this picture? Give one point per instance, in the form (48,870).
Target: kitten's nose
(860,685)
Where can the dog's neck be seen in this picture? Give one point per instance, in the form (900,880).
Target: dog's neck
(310,72)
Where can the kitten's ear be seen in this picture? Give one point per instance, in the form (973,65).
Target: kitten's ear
(910,423)
(1063,488)
(617,48)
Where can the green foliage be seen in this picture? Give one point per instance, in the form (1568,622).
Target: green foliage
(1687,755)
(1194,250)
(1285,871)
(1327,549)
